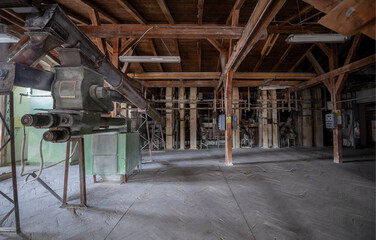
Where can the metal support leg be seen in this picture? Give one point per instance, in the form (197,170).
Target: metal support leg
(10,131)
(81,162)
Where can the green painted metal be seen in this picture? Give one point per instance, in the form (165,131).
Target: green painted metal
(128,155)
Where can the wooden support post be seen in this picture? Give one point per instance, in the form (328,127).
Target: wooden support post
(307,118)
(265,136)
(275,119)
(318,137)
(261,124)
(228,111)
(182,122)
(169,120)
(236,132)
(193,119)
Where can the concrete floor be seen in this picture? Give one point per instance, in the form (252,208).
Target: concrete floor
(267,194)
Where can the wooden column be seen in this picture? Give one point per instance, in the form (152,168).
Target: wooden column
(236,132)
(318,137)
(265,136)
(193,119)
(228,111)
(275,119)
(260,124)
(307,118)
(182,122)
(169,120)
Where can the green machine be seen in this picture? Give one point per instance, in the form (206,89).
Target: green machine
(111,155)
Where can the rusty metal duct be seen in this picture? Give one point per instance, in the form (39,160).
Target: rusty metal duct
(53,29)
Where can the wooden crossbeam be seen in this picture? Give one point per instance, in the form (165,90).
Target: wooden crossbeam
(348,68)
(216,75)
(213,83)
(217,46)
(126,45)
(132,11)
(187,31)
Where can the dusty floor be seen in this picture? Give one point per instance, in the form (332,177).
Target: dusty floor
(274,194)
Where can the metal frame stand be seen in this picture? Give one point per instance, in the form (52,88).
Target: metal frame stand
(81,163)
(10,130)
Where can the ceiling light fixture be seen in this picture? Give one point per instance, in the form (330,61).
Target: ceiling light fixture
(150,59)
(317,38)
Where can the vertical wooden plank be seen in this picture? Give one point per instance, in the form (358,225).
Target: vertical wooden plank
(261,124)
(169,121)
(317,118)
(265,137)
(193,119)
(182,122)
(228,111)
(307,118)
(236,132)
(275,119)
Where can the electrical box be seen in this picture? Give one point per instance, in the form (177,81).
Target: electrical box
(222,122)
(112,154)
(331,121)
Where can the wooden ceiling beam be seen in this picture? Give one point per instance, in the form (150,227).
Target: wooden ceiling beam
(11,19)
(348,68)
(74,16)
(261,17)
(214,83)
(217,46)
(187,31)
(216,75)
(132,11)
(315,64)
(339,19)
(126,45)
(105,14)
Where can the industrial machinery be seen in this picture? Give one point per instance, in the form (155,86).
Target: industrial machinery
(77,87)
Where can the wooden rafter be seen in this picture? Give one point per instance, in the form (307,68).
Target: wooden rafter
(132,11)
(301,59)
(261,17)
(126,45)
(285,54)
(200,11)
(170,20)
(238,4)
(336,72)
(152,47)
(350,56)
(102,12)
(95,21)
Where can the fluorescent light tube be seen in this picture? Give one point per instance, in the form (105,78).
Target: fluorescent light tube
(316,38)
(150,59)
